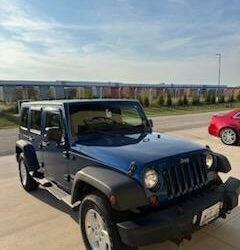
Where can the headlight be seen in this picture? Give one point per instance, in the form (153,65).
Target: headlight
(209,160)
(151,178)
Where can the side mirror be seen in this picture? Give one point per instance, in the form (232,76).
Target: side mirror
(150,122)
(54,134)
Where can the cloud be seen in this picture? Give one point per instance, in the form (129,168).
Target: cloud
(133,47)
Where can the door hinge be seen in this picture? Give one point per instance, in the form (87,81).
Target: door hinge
(66,154)
(67,177)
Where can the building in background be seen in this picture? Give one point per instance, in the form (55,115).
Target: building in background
(232,91)
(12,91)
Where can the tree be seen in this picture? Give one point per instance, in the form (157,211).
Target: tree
(180,101)
(160,100)
(169,100)
(212,99)
(221,99)
(19,94)
(238,96)
(88,93)
(231,98)
(33,94)
(140,99)
(207,98)
(146,101)
(185,100)
(195,100)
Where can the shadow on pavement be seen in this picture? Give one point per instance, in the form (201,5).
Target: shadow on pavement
(44,196)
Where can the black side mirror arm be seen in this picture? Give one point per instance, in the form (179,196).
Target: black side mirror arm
(150,122)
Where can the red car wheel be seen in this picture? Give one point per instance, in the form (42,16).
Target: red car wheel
(229,136)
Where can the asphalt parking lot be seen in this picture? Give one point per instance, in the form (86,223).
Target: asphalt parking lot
(38,221)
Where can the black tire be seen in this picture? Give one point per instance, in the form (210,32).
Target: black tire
(29,184)
(223,137)
(100,204)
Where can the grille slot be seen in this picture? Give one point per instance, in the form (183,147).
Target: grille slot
(185,177)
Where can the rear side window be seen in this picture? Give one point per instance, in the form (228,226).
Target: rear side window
(238,115)
(24,118)
(35,120)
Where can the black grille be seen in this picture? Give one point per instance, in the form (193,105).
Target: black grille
(185,177)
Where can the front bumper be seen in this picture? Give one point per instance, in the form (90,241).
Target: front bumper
(176,223)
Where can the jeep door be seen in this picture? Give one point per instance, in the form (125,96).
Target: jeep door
(54,147)
(35,130)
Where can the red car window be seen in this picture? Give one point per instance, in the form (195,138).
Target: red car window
(237,115)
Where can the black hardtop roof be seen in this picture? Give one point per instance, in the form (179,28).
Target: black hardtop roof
(69,101)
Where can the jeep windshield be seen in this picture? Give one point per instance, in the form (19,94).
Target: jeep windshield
(107,117)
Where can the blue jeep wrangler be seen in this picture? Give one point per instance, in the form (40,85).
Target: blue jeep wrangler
(132,186)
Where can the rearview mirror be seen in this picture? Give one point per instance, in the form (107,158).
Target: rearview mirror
(54,134)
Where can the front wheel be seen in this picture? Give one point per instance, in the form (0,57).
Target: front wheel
(98,225)
(229,136)
(26,179)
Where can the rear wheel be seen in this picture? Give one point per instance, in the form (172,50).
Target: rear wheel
(26,179)
(98,225)
(229,136)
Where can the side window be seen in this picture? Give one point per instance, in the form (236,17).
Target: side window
(24,118)
(35,120)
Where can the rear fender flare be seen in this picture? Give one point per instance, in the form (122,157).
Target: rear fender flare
(29,153)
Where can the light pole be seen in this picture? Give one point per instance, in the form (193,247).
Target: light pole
(219,55)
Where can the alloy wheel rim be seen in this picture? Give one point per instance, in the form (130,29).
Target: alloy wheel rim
(23,173)
(229,136)
(96,231)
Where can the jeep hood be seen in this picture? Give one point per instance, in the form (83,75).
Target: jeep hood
(119,150)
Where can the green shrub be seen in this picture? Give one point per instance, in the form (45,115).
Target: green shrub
(140,99)
(180,101)
(207,98)
(160,100)
(185,100)
(9,108)
(146,101)
(195,100)
(88,94)
(169,100)
(238,97)
(221,99)
(231,99)
(212,99)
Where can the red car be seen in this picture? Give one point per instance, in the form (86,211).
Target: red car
(226,126)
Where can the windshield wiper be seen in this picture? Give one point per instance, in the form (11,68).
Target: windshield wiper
(94,131)
(106,129)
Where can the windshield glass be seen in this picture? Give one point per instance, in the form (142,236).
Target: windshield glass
(107,117)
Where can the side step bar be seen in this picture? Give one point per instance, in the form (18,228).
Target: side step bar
(59,193)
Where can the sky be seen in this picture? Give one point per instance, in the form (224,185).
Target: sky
(145,41)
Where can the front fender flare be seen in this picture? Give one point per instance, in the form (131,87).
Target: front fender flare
(222,163)
(129,194)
